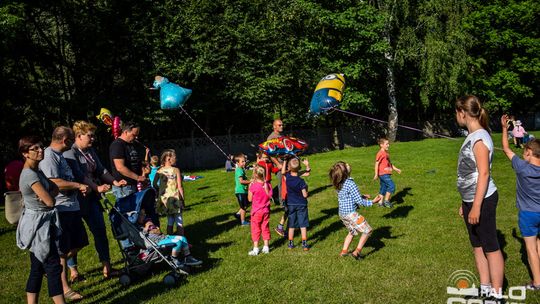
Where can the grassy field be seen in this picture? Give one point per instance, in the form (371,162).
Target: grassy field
(414,249)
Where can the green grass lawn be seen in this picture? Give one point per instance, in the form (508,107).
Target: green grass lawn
(414,249)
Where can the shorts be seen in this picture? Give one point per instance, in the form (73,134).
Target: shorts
(73,234)
(356,223)
(298,216)
(387,184)
(484,234)
(529,223)
(242,200)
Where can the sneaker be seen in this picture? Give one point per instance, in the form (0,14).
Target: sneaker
(343,254)
(191,261)
(387,204)
(178,263)
(265,250)
(531,286)
(245,223)
(291,245)
(279,231)
(306,247)
(254,252)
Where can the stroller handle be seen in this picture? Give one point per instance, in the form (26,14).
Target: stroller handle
(106,202)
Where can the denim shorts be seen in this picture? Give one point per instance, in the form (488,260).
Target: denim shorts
(298,216)
(387,185)
(529,223)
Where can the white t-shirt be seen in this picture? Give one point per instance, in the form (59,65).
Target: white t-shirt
(467,171)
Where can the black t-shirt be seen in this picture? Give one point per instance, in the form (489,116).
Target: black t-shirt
(121,149)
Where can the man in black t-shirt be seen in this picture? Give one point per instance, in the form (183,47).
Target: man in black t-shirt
(126,162)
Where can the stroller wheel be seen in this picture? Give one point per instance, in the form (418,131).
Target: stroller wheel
(124,280)
(170,279)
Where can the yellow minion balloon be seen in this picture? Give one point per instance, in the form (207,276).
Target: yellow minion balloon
(328,93)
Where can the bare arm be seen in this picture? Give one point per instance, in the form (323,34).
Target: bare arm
(64,185)
(376,169)
(308,168)
(481,153)
(121,167)
(304,193)
(43,195)
(396,168)
(179,182)
(250,196)
(284,167)
(506,147)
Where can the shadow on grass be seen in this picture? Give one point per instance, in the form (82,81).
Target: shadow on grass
(399,212)
(375,240)
(326,231)
(8,229)
(398,198)
(203,187)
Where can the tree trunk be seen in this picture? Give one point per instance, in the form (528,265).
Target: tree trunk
(391,89)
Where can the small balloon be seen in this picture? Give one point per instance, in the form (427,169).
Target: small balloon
(105,116)
(117,127)
(284,146)
(172,96)
(328,94)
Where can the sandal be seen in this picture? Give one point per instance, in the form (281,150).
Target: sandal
(77,278)
(72,295)
(112,273)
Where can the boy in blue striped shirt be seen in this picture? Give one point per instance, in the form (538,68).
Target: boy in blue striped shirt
(349,199)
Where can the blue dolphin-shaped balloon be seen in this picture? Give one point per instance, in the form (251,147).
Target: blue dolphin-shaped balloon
(172,96)
(328,94)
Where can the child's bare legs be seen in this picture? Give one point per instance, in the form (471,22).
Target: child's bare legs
(387,196)
(490,268)
(378,199)
(303,232)
(532,243)
(242,213)
(363,239)
(347,243)
(291,234)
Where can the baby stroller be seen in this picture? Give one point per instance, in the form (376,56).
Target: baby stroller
(139,252)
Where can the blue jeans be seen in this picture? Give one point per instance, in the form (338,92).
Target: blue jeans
(95,222)
(387,185)
(121,192)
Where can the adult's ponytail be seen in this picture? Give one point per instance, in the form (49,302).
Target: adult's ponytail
(484,119)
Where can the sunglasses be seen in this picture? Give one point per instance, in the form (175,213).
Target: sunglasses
(36,148)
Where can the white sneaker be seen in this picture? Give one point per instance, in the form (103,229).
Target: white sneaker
(265,250)
(254,252)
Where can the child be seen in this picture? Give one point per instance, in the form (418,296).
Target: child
(264,161)
(479,194)
(260,192)
(154,167)
(528,198)
(283,197)
(349,198)
(518,132)
(171,193)
(296,202)
(383,171)
(240,189)
(181,244)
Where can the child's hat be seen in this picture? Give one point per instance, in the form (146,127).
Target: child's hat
(518,122)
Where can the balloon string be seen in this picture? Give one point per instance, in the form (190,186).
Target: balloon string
(210,138)
(386,122)
(402,126)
